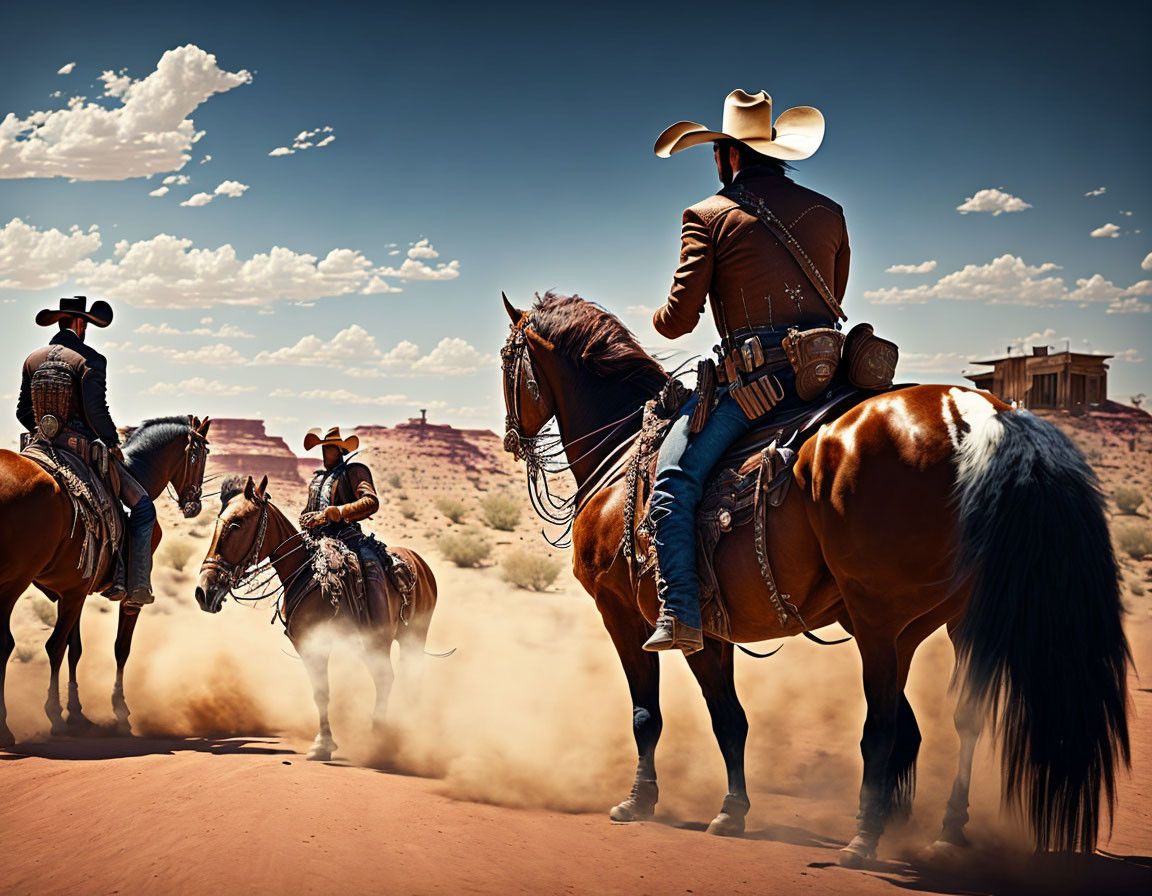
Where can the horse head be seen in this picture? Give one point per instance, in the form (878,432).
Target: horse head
(528,398)
(238,542)
(170,451)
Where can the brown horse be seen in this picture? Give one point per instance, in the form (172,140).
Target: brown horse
(929,506)
(251,529)
(38,546)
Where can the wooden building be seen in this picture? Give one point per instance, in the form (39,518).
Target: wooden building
(1059,381)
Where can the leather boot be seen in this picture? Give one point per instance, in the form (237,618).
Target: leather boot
(672,634)
(118,590)
(140,570)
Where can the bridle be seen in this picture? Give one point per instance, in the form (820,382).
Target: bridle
(195,462)
(516,361)
(235,573)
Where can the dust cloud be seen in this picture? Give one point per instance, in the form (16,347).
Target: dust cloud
(531,711)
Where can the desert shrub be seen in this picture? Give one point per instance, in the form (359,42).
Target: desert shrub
(468,548)
(26,651)
(501,511)
(176,552)
(44,608)
(452,508)
(394,480)
(527,569)
(407,509)
(1135,541)
(1128,499)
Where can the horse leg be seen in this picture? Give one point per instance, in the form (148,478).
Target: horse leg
(969,721)
(413,640)
(378,657)
(7,643)
(77,721)
(124,629)
(315,651)
(882,692)
(628,631)
(68,609)
(713,669)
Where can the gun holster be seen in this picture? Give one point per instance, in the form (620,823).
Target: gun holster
(871,361)
(814,356)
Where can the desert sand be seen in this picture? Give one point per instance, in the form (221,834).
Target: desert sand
(498,775)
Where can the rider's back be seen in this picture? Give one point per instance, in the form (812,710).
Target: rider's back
(750,278)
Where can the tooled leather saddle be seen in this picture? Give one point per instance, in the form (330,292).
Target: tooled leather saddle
(751,477)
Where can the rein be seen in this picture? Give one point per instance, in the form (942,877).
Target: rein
(235,573)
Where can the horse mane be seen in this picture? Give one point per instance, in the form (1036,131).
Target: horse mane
(230,488)
(595,339)
(155,432)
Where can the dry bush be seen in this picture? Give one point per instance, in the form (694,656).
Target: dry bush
(452,508)
(1135,540)
(1128,499)
(407,509)
(176,552)
(530,570)
(394,480)
(468,548)
(26,651)
(44,608)
(501,511)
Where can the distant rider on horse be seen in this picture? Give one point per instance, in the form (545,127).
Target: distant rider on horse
(339,497)
(63,401)
(772,259)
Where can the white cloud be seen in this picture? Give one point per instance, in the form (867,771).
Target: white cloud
(1004,280)
(305,140)
(453,357)
(149,132)
(1146,264)
(219,355)
(923,268)
(197,199)
(66,69)
(1099,191)
(1128,356)
(39,259)
(159,191)
(413,269)
(995,201)
(1107,231)
(354,344)
(1126,213)
(226,331)
(1097,289)
(177,179)
(343,396)
(423,249)
(932,362)
(232,189)
(198,385)
(640,310)
(207,158)
(1130,305)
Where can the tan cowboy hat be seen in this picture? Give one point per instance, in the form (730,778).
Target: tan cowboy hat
(317,436)
(77,306)
(748,120)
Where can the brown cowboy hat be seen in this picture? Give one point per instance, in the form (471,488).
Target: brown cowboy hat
(748,119)
(77,306)
(317,436)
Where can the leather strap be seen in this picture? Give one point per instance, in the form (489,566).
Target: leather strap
(758,207)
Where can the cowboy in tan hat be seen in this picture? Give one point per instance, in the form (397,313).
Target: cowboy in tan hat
(63,390)
(339,497)
(769,257)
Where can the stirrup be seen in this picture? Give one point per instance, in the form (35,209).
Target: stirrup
(671,634)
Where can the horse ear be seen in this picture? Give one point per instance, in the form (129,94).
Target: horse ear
(538,341)
(512,311)
(262,487)
(207,422)
(249,489)
(194,420)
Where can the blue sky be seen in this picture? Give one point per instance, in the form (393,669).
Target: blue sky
(509,147)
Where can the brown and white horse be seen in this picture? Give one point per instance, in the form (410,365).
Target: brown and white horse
(926,507)
(252,529)
(40,545)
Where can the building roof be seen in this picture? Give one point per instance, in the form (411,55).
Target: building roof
(1027,357)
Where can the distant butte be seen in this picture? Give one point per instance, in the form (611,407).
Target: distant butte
(243,446)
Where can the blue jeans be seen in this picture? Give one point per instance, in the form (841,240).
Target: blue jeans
(681,472)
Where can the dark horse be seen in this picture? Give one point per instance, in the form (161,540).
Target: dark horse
(38,546)
(925,507)
(252,529)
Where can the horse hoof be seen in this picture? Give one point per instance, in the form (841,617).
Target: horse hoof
(60,728)
(124,729)
(79,723)
(725,825)
(6,737)
(630,810)
(857,853)
(945,854)
(318,755)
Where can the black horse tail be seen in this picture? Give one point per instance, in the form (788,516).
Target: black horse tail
(1041,644)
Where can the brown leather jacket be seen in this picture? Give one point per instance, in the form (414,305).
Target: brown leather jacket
(90,395)
(730,257)
(354,493)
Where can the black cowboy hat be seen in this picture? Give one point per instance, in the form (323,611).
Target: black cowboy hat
(77,306)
